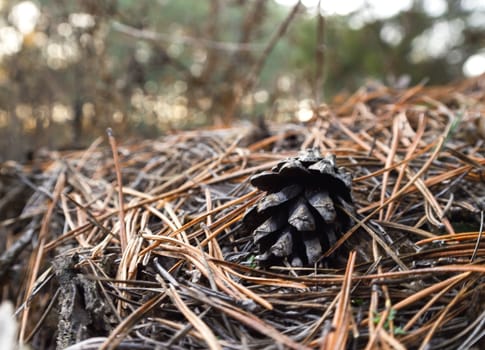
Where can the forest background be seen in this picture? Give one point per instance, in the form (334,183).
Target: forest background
(70,69)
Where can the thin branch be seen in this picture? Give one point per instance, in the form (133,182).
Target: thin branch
(255,71)
(319,56)
(183,40)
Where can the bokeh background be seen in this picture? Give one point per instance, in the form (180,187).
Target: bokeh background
(70,69)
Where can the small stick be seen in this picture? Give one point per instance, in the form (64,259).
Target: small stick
(114,149)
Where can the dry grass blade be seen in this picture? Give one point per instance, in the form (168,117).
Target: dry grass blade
(389,159)
(440,319)
(123,328)
(253,322)
(198,324)
(337,339)
(410,229)
(114,149)
(444,288)
(379,240)
(36,258)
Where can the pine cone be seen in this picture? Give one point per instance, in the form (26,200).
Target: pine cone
(301,215)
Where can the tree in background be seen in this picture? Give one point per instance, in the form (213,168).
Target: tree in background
(144,67)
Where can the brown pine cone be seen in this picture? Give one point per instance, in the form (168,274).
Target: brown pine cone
(301,215)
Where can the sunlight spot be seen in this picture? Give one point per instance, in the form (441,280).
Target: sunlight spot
(61,113)
(473,5)
(435,8)
(437,41)
(284,83)
(474,65)
(392,34)
(81,20)
(476,20)
(24,16)
(64,29)
(305,111)
(261,96)
(118,117)
(10,41)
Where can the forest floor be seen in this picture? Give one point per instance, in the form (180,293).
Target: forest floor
(181,273)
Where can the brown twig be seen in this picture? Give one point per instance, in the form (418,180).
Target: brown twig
(119,179)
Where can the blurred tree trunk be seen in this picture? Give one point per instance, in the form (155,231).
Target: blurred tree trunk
(238,66)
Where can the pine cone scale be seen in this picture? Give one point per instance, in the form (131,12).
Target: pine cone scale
(313,248)
(301,217)
(279,198)
(321,201)
(284,245)
(272,224)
